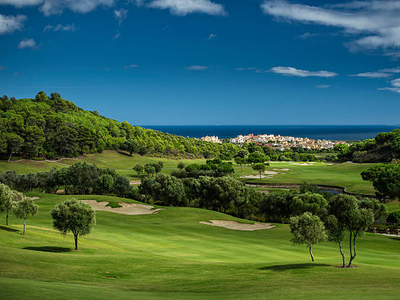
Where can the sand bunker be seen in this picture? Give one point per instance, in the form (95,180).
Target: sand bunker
(303,164)
(135,182)
(33,198)
(267,174)
(281,170)
(126,208)
(238,226)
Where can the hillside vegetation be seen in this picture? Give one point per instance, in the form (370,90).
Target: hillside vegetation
(51,127)
(169,255)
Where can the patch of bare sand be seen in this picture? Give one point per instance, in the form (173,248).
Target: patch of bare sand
(266,174)
(281,170)
(135,182)
(33,198)
(238,226)
(303,164)
(126,208)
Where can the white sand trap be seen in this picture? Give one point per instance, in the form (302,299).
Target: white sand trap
(33,198)
(257,176)
(303,164)
(135,182)
(238,226)
(126,209)
(281,170)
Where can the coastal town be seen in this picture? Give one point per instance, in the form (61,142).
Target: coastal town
(278,141)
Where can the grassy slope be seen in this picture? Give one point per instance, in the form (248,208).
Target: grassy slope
(171,256)
(346,175)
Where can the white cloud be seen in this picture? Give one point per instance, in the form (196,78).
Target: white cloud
(60,27)
(197,68)
(372,75)
(290,71)
(9,24)
(307,35)
(131,66)
(185,7)
(322,86)
(391,70)
(376,23)
(27,43)
(394,88)
(211,36)
(120,15)
(246,69)
(21,3)
(116,36)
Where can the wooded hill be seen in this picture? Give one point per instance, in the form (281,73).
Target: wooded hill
(51,127)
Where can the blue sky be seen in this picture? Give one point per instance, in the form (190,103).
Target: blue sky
(208,61)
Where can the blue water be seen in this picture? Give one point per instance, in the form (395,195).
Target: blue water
(328,132)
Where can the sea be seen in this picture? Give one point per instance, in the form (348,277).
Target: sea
(327,132)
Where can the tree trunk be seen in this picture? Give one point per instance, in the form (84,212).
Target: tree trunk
(24,227)
(7,217)
(76,241)
(260,175)
(343,257)
(241,168)
(353,256)
(9,158)
(312,256)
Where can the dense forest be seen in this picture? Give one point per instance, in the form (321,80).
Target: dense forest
(51,127)
(385,147)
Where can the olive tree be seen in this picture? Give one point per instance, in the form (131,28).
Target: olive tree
(8,199)
(307,229)
(336,232)
(75,217)
(24,209)
(260,167)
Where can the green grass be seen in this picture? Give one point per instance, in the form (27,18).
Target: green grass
(170,255)
(345,175)
(119,161)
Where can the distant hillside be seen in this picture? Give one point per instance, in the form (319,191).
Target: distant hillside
(51,127)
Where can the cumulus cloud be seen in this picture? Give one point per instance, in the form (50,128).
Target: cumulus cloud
(54,7)
(372,75)
(322,86)
(120,15)
(59,27)
(130,67)
(395,86)
(290,71)
(9,24)
(27,43)
(197,68)
(211,36)
(376,24)
(185,7)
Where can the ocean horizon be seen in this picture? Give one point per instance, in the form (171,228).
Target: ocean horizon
(328,132)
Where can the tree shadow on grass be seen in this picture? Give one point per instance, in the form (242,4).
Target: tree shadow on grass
(280,268)
(49,249)
(8,229)
(395,238)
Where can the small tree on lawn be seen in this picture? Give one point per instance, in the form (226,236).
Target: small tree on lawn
(307,229)
(24,209)
(260,167)
(336,232)
(75,217)
(139,169)
(181,165)
(240,161)
(8,199)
